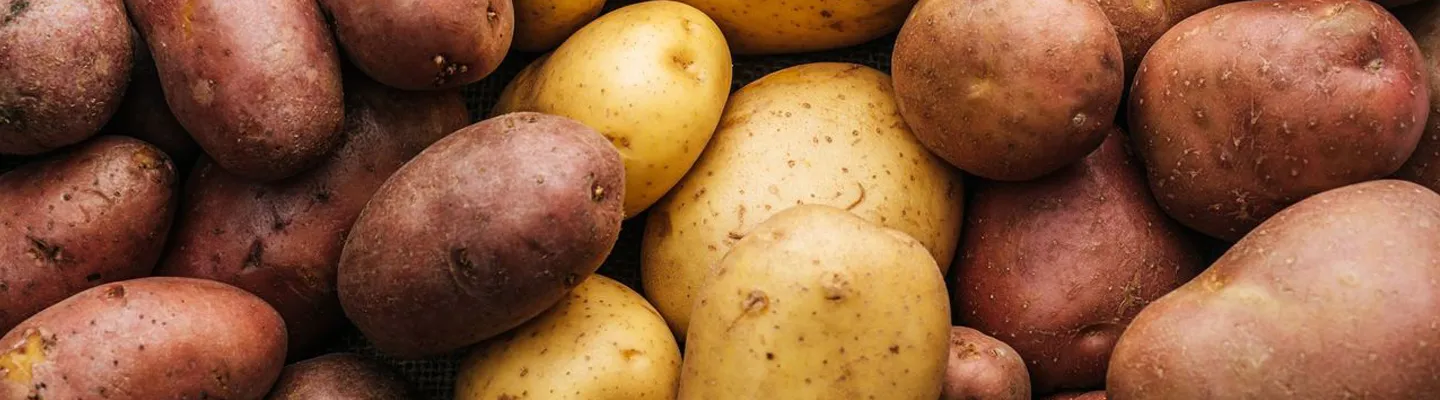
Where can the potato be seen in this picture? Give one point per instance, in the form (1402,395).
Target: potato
(1396,3)
(339,376)
(144,115)
(1058,266)
(1139,23)
(543,24)
(499,219)
(1336,296)
(96,213)
(983,368)
(817,303)
(257,84)
(1096,395)
(437,44)
(652,77)
(602,342)
(1423,22)
(797,26)
(1248,107)
(64,65)
(144,339)
(824,133)
(282,240)
(1009,89)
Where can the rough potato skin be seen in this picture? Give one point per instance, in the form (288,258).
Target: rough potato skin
(146,339)
(1337,296)
(1248,107)
(983,368)
(1058,266)
(96,213)
(1009,89)
(282,240)
(1423,22)
(341,376)
(144,115)
(420,45)
(64,65)
(256,83)
(499,219)
(1096,395)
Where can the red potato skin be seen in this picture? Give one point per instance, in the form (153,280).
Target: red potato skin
(1139,23)
(424,45)
(1096,395)
(1423,22)
(95,213)
(1249,107)
(1057,267)
(1337,296)
(256,83)
(146,339)
(541,199)
(144,115)
(983,368)
(339,376)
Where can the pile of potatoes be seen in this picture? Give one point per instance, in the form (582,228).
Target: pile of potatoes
(1055,199)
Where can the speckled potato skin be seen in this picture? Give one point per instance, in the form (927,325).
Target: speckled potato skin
(499,219)
(543,24)
(1337,296)
(652,77)
(1009,89)
(983,368)
(256,83)
(1095,395)
(797,26)
(282,240)
(144,115)
(145,339)
(824,133)
(817,303)
(424,44)
(1058,266)
(1238,112)
(1423,22)
(602,342)
(95,213)
(340,376)
(64,65)
(1138,23)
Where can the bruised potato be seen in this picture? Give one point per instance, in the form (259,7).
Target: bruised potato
(543,24)
(795,26)
(340,376)
(983,368)
(434,44)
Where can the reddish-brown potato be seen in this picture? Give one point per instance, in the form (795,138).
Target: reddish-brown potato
(983,368)
(1096,395)
(436,44)
(1139,23)
(339,376)
(144,115)
(1423,21)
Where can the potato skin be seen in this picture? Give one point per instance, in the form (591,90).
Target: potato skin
(1036,89)
(430,45)
(817,303)
(1139,23)
(257,84)
(797,26)
(144,339)
(64,65)
(822,133)
(542,195)
(543,24)
(339,376)
(983,368)
(1096,395)
(1335,296)
(144,115)
(1058,266)
(1238,113)
(1423,22)
(602,342)
(95,213)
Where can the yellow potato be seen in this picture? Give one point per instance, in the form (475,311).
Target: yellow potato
(602,342)
(652,77)
(817,303)
(823,133)
(792,26)
(542,24)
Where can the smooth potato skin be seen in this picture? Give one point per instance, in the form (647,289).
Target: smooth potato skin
(500,219)
(543,24)
(983,368)
(1239,112)
(144,115)
(64,65)
(146,339)
(424,45)
(95,213)
(1334,297)
(797,26)
(1423,22)
(339,376)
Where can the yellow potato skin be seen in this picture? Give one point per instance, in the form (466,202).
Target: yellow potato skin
(652,77)
(817,303)
(543,24)
(824,133)
(602,342)
(794,26)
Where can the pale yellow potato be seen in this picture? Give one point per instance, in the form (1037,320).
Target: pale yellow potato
(793,26)
(652,77)
(602,342)
(543,24)
(817,303)
(825,133)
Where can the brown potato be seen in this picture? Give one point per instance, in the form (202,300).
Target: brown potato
(500,219)
(983,368)
(144,115)
(1239,112)
(1423,22)
(442,44)
(1139,23)
(93,214)
(339,376)
(1096,395)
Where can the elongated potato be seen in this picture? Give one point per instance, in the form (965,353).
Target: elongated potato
(434,44)
(543,24)
(340,376)
(795,26)
(144,115)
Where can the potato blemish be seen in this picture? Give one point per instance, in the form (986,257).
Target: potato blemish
(18,363)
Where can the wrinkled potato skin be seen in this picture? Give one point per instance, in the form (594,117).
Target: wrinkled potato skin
(798,26)
(424,45)
(824,133)
(145,339)
(1423,22)
(541,199)
(543,24)
(339,376)
(64,65)
(1058,266)
(817,303)
(1315,303)
(983,368)
(602,342)
(95,213)
(1238,112)
(1139,23)
(1004,100)
(144,115)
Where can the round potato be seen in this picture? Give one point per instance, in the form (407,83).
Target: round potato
(795,26)
(1423,22)
(435,44)
(1139,23)
(983,368)
(543,24)
(339,376)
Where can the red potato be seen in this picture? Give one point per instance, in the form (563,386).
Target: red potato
(1423,22)
(983,368)
(144,115)
(424,45)
(1139,23)
(1096,395)
(340,376)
